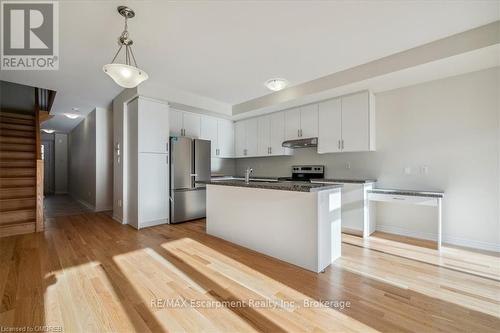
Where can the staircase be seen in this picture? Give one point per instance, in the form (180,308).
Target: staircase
(19,207)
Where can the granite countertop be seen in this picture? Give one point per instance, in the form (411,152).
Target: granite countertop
(275,185)
(430,194)
(343,180)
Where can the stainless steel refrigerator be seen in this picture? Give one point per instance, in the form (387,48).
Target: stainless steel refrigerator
(189,162)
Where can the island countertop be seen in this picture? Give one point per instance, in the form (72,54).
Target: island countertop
(275,185)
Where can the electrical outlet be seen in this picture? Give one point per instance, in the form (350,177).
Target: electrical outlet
(424,170)
(407,171)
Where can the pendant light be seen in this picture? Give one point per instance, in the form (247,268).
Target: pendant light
(127,75)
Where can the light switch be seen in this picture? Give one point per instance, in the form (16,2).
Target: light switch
(424,170)
(348,165)
(407,171)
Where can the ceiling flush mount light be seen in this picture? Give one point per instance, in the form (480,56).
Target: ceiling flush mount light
(276,84)
(49,131)
(125,75)
(71,115)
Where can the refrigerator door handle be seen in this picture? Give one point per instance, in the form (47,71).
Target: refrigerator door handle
(194,175)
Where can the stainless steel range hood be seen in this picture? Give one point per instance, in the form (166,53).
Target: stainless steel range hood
(301,143)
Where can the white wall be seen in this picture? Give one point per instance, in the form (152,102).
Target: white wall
(452,127)
(90,160)
(82,161)
(61,163)
(104,159)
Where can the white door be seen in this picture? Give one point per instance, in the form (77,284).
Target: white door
(330,126)
(277,133)
(355,122)
(239,138)
(309,121)
(252,132)
(292,124)
(209,132)
(225,138)
(152,126)
(263,138)
(153,192)
(175,122)
(191,124)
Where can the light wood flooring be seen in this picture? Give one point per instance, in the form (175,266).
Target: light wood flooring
(87,273)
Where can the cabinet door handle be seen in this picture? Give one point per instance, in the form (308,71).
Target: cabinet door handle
(270,150)
(298,133)
(166,147)
(342,144)
(301,132)
(167,159)
(339,144)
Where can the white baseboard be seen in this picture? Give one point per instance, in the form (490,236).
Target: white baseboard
(493,247)
(153,223)
(117,219)
(85,203)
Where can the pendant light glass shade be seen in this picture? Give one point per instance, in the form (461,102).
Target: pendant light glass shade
(125,75)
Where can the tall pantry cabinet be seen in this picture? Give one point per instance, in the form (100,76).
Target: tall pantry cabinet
(147,162)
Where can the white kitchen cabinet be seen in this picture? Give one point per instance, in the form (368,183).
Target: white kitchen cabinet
(292,124)
(147,175)
(239,139)
(301,123)
(330,126)
(153,189)
(264,136)
(185,124)
(225,138)
(175,120)
(277,135)
(261,136)
(356,116)
(251,134)
(191,124)
(151,119)
(209,132)
(309,121)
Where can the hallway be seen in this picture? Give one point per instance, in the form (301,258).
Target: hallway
(62,205)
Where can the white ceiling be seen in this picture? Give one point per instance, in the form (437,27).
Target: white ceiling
(225,50)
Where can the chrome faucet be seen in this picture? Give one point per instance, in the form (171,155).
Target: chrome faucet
(248,171)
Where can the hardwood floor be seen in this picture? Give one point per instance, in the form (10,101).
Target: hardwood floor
(87,273)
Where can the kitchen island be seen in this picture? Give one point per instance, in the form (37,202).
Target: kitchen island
(297,222)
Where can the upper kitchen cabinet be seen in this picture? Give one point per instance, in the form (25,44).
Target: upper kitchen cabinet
(191,124)
(225,138)
(271,135)
(252,134)
(261,136)
(292,124)
(301,123)
(185,124)
(330,126)
(220,132)
(309,121)
(175,117)
(151,119)
(239,139)
(246,137)
(347,124)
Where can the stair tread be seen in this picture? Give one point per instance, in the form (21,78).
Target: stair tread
(13,199)
(17,115)
(25,209)
(18,223)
